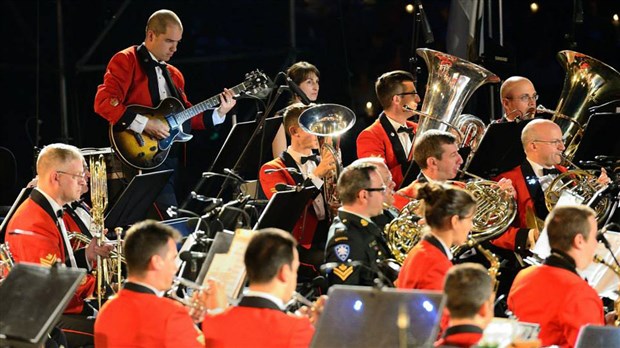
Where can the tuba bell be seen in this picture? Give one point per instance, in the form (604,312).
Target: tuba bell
(588,82)
(328,122)
(451,82)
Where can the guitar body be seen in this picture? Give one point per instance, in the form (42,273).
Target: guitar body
(142,151)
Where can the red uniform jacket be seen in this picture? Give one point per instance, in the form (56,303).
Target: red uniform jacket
(381,140)
(39,240)
(554,296)
(425,267)
(462,336)
(306,224)
(530,197)
(256,322)
(126,82)
(136,317)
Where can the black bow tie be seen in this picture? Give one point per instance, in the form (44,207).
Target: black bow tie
(60,213)
(551,171)
(403,129)
(312,158)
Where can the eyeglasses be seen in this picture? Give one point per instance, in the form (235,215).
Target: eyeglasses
(407,93)
(81,176)
(376,189)
(555,142)
(525,98)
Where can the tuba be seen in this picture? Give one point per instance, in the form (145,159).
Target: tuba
(588,83)
(328,122)
(451,82)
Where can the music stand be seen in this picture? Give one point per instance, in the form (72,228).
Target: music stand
(235,143)
(499,150)
(359,316)
(285,208)
(221,245)
(135,201)
(23,195)
(33,299)
(597,137)
(597,336)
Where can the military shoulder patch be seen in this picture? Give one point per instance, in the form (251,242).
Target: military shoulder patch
(48,260)
(342,251)
(343,272)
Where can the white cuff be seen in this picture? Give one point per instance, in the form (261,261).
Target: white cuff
(138,123)
(217,119)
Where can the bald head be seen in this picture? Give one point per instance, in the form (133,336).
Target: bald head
(518,96)
(542,142)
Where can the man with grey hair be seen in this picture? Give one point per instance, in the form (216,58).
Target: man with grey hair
(141,75)
(37,232)
(354,236)
(554,295)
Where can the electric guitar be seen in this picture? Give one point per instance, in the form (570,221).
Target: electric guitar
(144,152)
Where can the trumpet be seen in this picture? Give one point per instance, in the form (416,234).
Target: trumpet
(188,300)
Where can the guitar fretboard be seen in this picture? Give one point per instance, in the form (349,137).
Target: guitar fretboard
(207,104)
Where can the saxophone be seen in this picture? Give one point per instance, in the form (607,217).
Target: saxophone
(493,269)
(616,270)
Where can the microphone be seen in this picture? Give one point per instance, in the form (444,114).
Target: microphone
(600,235)
(288,169)
(426,26)
(295,89)
(605,158)
(190,255)
(286,188)
(173,211)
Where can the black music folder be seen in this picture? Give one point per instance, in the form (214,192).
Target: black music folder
(134,202)
(33,299)
(238,141)
(361,316)
(221,245)
(600,137)
(285,208)
(499,150)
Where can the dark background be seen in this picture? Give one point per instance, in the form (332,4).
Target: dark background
(352,42)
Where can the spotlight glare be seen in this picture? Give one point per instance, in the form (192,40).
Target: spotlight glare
(409,8)
(534,7)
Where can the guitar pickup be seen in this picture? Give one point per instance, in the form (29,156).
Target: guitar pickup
(139,138)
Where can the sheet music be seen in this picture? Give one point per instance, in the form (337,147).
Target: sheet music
(600,277)
(229,268)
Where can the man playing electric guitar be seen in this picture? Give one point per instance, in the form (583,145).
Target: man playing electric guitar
(139,75)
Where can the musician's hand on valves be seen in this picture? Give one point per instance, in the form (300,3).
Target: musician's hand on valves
(327,164)
(506,186)
(211,300)
(227,101)
(156,129)
(532,237)
(603,179)
(610,318)
(94,249)
(313,313)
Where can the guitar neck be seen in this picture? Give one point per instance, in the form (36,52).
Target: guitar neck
(207,104)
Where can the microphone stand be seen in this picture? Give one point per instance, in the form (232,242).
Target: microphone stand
(261,118)
(419,19)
